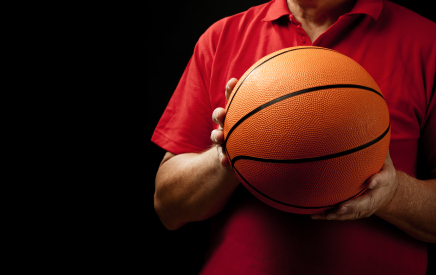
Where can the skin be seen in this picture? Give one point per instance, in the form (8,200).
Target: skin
(192,187)
(196,186)
(316,16)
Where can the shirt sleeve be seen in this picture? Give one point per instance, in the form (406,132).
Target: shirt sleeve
(428,139)
(186,124)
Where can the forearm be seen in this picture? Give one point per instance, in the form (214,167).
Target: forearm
(413,207)
(192,187)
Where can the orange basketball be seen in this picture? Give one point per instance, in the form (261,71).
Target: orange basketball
(305,127)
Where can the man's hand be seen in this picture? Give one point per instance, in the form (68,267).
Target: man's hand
(381,189)
(218,115)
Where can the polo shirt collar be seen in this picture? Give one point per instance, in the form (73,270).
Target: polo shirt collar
(372,8)
(277,9)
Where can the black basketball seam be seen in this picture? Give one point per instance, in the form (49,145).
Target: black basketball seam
(230,103)
(290,50)
(296,206)
(308,90)
(335,155)
(298,160)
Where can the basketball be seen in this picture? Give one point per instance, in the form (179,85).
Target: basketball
(305,128)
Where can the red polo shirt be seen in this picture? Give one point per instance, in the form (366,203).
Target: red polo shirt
(398,49)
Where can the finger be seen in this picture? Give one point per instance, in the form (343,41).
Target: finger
(366,204)
(217,136)
(218,116)
(388,159)
(385,176)
(229,87)
(225,161)
(222,157)
(382,178)
(319,216)
(348,210)
(333,216)
(362,206)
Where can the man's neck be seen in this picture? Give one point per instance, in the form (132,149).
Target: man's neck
(316,16)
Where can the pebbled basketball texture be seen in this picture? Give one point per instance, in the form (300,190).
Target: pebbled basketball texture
(305,127)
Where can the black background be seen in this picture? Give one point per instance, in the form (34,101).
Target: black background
(175,27)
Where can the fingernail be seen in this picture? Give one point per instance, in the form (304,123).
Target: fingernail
(343,210)
(214,115)
(372,185)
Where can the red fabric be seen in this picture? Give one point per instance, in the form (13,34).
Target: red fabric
(397,48)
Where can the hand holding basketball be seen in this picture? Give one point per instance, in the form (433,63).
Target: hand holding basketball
(381,189)
(218,116)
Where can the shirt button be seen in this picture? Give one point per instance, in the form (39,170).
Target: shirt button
(303,39)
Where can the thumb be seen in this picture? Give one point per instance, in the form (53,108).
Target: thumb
(229,87)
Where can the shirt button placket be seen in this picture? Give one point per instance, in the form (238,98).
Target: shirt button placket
(299,29)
